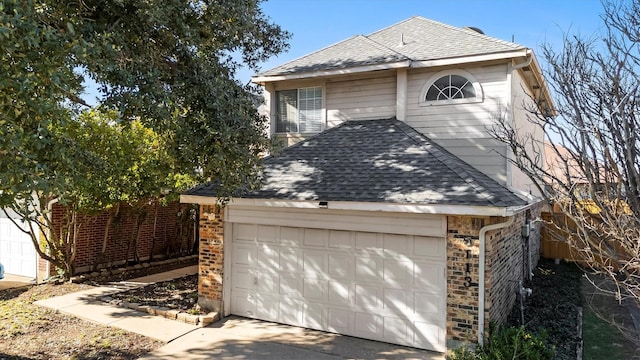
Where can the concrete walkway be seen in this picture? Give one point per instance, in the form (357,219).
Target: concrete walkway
(86,305)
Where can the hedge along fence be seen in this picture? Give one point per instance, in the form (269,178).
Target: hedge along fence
(558,243)
(173,225)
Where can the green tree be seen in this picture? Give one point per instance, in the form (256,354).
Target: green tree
(166,64)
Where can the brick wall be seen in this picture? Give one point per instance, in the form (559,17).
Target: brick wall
(462,254)
(506,264)
(173,237)
(211,264)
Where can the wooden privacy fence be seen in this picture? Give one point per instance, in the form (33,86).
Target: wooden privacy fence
(556,244)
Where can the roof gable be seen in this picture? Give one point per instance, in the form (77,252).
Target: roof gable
(414,39)
(381,161)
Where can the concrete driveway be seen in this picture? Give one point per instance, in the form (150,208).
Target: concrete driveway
(241,338)
(13,281)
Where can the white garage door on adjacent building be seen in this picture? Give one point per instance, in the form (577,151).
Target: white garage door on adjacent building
(387,286)
(17,254)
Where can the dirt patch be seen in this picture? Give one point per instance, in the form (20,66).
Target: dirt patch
(28,331)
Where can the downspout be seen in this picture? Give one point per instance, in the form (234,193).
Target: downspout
(481,271)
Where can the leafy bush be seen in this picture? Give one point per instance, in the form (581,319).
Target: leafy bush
(509,343)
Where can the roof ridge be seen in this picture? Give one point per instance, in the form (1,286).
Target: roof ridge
(469,32)
(438,152)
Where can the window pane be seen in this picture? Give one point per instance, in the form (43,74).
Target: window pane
(310,110)
(450,87)
(287,111)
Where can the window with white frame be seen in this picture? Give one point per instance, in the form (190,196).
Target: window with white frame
(299,110)
(450,87)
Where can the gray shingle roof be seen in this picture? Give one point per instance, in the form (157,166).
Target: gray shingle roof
(375,161)
(422,39)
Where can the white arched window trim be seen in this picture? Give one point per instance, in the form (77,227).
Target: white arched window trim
(476,86)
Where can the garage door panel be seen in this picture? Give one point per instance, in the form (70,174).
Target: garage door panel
(396,330)
(341,239)
(290,260)
(268,256)
(290,236)
(341,321)
(315,289)
(291,311)
(429,335)
(340,293)
(268,283)
(268,234)
(243,278)
(244,304)
(368,325)
(429,277)
(368,297)
(398,273)
(430,247)
(427,307)
(245,255)
(367,241)
(315,316)
(268,308)
(397,244)
(245,232)
(340,266)
(377,286)
(289,286)
(397,302)
(314,264)
(368,269)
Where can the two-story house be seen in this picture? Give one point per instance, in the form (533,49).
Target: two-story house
(393,215)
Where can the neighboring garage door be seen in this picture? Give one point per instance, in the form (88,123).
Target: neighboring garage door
(374,285)
(17,254)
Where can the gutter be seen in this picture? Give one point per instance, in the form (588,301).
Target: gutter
(362,206)
(481,272)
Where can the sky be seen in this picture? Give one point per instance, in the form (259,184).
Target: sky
(315,24)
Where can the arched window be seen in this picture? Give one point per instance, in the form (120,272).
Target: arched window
(451,87)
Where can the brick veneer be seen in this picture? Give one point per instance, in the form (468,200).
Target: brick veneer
(211,264)
(505,267)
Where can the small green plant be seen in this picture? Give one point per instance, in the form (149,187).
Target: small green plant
(506,343)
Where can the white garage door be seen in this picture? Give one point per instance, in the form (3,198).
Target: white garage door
(379,286)
(17,253)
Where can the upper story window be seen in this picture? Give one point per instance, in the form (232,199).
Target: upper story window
(451,87)
(299,110)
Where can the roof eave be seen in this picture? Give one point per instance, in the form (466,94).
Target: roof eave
(321,73)
(364,206)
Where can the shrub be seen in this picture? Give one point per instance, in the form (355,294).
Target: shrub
(509,343)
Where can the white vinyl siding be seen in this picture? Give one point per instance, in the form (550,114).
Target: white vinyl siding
(521,101)
(463,129)
(361,99)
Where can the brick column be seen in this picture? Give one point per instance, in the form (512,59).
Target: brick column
(211,257)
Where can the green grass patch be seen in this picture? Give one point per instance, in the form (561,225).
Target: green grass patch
(604,341)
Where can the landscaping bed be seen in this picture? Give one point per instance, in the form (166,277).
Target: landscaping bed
(554,306)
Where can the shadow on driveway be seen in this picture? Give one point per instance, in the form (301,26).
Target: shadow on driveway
(241,338)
